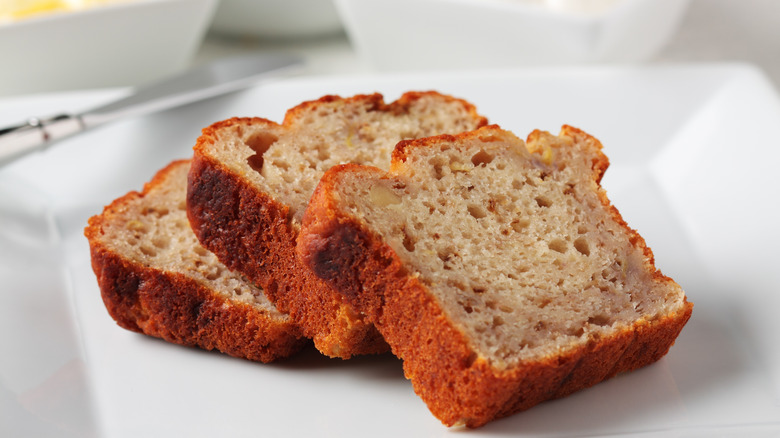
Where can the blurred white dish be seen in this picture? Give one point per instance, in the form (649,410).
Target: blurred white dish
(126,43)
(276,18)
(580,6)
(474,34)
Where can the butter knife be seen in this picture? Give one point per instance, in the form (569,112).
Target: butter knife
(219,77)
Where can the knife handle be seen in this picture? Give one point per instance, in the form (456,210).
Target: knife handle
(36,135)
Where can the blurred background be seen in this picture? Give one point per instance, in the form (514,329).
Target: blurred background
(56,45)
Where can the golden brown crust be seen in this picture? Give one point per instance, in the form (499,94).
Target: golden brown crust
(376,102)
(178,309)
(484,133)
(249,232)
(457,387)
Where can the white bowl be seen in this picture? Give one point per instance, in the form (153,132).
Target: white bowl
(121,44)
(474,34)
(276,18)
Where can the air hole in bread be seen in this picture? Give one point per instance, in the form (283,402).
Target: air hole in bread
(161,242)
(409,242)
(477,211)
(157,211)
(148,251)
(255,161)
(543,201)
(558,245)
(325,112)
(494,202)
(481,158)
(457,284)
(581,244)
(576,332)
(438,167)
(259,142)
(470,359)
(467,304)
(600,320)
(272,288)
(322,152)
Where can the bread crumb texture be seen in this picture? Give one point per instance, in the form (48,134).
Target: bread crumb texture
(152,230)
(516,242)
(289,160)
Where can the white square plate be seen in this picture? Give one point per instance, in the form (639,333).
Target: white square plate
(693,151)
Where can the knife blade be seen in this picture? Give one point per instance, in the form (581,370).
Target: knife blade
(211,80)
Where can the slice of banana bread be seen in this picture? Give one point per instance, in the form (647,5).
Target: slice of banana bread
(498,271)
(156,279)
(251,180)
